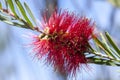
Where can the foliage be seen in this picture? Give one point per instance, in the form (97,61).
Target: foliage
(104,51)
(116,3)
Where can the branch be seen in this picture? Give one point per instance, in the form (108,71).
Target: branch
(106,51)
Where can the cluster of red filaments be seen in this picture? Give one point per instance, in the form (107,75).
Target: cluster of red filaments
(64,41)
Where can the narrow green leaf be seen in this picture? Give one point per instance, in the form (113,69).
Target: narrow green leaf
(5,19)
(6,4)
(112,63)
(112,43)
(102,61)
(115,2)
(107,46)
(30,12)
(97,48)
(19,25)
(102,46)
(113,51)
(10,3)
(0,5)
(21,9)
(2,18)
(9,21)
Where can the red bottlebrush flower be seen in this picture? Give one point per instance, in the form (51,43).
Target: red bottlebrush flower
(64,40)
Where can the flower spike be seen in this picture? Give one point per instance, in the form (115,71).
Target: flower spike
(64,41)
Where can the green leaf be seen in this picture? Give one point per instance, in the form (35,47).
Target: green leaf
(112,63)
(115,2)
(10,3)
(21,9)
(30,12)
(107,46)
(6,20)
(0,5)
(6,4)
(102,61)
(96,46)
(104,48)
(116,54)
(112,43)
(2,18)
(19,25)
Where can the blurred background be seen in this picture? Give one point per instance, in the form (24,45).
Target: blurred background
(17,64)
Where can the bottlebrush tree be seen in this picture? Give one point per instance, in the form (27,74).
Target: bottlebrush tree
(64,38)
